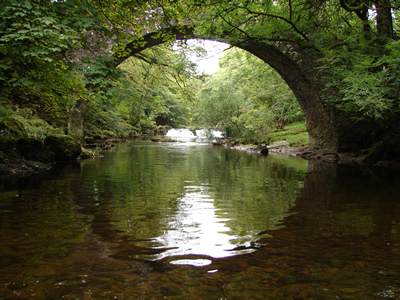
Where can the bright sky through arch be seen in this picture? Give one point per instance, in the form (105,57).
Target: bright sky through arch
(210,63)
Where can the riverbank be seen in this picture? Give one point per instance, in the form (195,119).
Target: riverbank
(344,158)
(27,163)
(22,167)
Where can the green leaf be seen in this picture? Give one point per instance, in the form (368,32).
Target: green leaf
(28,5)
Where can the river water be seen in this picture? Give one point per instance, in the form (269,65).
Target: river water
(195,221)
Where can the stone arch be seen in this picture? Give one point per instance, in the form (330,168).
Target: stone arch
(328,128)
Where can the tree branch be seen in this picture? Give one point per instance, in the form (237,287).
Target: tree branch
(303,35)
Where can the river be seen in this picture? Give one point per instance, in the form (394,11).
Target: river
(194,221)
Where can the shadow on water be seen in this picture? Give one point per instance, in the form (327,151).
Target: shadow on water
(64,234)
(341,242)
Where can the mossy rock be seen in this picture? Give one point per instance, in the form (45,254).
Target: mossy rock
(12,128)
(64,147)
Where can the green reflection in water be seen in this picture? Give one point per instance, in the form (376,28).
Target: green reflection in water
(192,199)
(81,228)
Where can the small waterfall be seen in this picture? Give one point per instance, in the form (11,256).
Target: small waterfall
(198,136)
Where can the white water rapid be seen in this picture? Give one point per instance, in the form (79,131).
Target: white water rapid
(197,136)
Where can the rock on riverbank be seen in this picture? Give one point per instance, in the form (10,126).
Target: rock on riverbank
(22,167)
(27,155)
(283,147)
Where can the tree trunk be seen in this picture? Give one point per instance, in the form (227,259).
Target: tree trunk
(384,21)
(75,122)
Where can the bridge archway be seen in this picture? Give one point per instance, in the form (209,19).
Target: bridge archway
(328,128)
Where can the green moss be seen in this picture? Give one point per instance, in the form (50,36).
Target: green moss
(12,128)
(298,140)
(64,147)
(5,110)
(295,134)
(87,153)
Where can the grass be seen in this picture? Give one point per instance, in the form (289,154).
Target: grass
(295,134)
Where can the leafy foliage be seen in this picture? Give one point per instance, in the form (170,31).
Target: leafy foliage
(368,82)
(34,38)
(246,98)
(154,90)
(53,53)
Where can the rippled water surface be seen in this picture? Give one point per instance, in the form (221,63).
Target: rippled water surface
(193,221)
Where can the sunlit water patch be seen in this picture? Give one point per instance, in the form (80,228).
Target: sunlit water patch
(192,262)
(197,229)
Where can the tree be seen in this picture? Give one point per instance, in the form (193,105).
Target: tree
(35,39)
(155,89)
(247,98)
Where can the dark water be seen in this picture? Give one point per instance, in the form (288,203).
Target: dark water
(187,221)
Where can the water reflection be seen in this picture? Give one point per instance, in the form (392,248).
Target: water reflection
(180,199)
(134,224)
(342,241)
(197,229)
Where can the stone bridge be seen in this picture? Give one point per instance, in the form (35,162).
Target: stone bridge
(328,127)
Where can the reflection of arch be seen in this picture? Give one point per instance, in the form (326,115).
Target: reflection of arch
(343,222)
(326,126)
